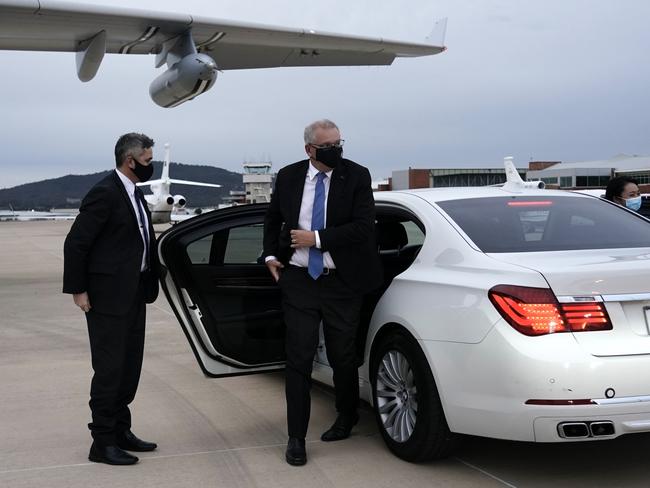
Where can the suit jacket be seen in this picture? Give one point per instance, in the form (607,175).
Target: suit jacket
(103,250)
(349,235)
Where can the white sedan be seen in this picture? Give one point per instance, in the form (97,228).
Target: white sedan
(516,314)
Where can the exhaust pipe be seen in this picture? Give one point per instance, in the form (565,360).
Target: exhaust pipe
(573,430)
(581,430)
(602,429)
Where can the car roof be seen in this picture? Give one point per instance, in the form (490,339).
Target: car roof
(433,195)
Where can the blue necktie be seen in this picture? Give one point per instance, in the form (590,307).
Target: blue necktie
(139,199)
(315,266)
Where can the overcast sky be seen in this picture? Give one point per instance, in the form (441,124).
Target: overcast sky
(554,80)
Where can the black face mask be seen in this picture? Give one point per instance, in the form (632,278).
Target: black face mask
(330,157)
(142,172)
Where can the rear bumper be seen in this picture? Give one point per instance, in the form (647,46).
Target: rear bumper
(484,387)
(546,428)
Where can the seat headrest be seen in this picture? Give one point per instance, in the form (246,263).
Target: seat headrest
(391,235)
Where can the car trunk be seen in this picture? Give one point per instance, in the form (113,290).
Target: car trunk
(621,277)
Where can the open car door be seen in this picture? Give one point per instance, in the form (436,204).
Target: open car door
(222,293)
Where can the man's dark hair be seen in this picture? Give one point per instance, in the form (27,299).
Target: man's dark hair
(616,186)
(131,144)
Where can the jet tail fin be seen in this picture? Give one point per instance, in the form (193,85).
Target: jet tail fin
(165,169)
(438,33)
(514,183)
(164,176)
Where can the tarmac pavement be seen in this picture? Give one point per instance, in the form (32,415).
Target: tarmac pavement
(215,432)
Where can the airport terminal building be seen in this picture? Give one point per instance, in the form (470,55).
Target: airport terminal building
(556,174)
(593,174)
(448,177)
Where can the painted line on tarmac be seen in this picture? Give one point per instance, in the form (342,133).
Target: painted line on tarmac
(486,473)
(44,468)
(148,458)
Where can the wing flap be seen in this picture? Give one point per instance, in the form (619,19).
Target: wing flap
(231,57)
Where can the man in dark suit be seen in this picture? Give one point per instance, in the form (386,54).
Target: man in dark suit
(111,269)
(319,246)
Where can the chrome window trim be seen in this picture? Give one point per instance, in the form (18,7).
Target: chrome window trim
(628,297)
(615,401)
(579,299)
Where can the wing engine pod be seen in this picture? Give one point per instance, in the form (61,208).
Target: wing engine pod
(179,200)
(192,75)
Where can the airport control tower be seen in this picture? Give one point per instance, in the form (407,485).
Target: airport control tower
(258,181)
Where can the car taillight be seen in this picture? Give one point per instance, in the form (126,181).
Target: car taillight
(586,316)
(536,311)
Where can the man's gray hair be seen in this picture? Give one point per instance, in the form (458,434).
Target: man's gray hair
(319,124)
(131,144)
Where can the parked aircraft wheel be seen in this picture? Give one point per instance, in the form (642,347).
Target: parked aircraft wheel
(407,406)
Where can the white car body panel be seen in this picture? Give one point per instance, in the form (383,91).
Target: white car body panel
(484,389)
(588,271)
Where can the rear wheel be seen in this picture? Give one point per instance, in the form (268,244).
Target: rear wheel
(407,405)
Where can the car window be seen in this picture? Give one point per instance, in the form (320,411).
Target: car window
(533,223)
(237,245)
(414,233)
(244,244)
(554,223)
(199,251)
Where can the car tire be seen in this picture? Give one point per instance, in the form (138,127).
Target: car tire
(407,406)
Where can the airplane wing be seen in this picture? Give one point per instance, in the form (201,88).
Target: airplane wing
(194,183)
(91,31)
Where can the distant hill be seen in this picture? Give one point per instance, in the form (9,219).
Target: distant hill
(67,191)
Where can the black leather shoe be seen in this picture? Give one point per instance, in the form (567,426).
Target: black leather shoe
(110,455)
(341,428)
(296,454)
(129,442)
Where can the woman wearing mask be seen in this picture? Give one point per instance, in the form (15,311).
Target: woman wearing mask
(625,192)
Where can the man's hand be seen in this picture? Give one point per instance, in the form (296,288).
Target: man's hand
(303,238)
(274,267)
(81,301)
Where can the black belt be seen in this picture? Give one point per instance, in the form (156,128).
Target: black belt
(326,271)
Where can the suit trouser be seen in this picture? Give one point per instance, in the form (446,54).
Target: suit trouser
(116,346)
(305,303)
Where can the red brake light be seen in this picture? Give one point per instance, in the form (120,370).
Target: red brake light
(536,311)
(530,203)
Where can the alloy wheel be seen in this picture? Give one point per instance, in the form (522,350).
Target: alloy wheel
(396,396)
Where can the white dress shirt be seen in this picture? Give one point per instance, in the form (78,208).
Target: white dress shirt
(301,255)
(129,186)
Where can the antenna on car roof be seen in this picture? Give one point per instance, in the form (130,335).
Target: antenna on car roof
(514,183)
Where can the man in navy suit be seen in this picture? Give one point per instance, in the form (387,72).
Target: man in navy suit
(319,246)
(111,269)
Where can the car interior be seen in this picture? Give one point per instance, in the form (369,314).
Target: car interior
(238,299)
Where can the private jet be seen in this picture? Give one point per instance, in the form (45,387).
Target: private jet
(160,201)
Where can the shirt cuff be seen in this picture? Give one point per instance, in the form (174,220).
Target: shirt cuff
(270,258)
(317,239)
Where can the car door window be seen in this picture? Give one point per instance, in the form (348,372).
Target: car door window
(199,251)
(244,245)
(414,233)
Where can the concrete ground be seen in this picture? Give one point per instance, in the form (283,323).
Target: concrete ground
(217,433)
